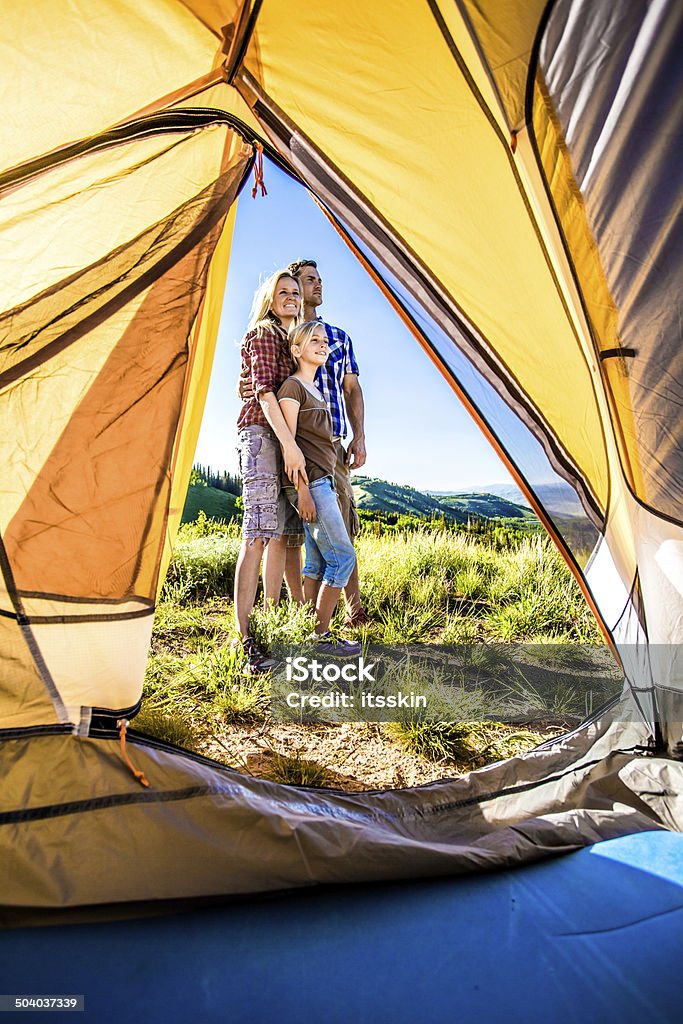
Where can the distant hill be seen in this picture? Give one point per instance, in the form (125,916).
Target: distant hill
(557,497)
(216,504)
(374,495)
(486,506)
(381,496)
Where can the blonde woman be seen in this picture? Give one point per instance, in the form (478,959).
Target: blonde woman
(265,444)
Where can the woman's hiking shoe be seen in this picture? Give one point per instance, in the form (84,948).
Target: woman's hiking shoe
(359,618)
(330,645)
(257,660)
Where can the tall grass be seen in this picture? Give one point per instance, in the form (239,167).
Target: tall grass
(204,560)
(419,587)
(462,589)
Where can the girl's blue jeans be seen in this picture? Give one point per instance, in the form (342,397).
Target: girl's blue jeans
(330,555)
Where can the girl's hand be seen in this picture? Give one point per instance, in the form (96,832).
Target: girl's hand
(295,463)
(306,505)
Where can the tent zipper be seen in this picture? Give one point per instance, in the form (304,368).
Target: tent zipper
(172,121)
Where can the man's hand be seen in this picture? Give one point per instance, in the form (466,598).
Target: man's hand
(353,397)
(295,463)
(244,387)
(306,505)
(356,454)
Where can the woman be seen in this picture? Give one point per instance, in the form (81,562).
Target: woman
(262,432)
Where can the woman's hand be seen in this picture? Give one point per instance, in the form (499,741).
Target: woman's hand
(285,431)
(306,505)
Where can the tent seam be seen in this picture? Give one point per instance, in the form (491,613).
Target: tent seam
(27,633)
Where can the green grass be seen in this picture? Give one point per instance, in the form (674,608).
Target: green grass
(420,587)
(203,562)
(505,595)
(295,770)
(173,727)
(468,744)
(425,584)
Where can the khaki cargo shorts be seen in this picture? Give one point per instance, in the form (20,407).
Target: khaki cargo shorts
(262,496)
(267,513)
(342,482)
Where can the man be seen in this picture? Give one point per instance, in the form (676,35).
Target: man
(338,382)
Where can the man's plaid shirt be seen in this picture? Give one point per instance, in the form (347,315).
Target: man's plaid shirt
(267,363)
(330,377)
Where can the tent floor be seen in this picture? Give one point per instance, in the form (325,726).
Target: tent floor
(593,938)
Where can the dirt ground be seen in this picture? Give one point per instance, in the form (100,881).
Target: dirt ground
(352,757)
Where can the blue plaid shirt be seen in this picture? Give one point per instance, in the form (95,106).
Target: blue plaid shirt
(330,377)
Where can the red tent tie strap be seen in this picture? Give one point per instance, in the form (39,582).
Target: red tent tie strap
(140,776)
(258,172)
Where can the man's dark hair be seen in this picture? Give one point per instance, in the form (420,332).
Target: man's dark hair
(297,266)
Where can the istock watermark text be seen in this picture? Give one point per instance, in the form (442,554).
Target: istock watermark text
(305,670)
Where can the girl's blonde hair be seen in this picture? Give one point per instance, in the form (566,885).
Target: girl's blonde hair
(263,298)
(299,334)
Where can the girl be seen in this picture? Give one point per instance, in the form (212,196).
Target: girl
(330,556)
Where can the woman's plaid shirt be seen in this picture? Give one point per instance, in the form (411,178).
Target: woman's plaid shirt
(267,363)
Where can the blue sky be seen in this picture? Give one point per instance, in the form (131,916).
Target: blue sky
(417,432)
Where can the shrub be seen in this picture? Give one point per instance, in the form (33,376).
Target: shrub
(294,770)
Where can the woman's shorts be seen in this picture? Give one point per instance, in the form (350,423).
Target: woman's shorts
(267,513)
(262,497)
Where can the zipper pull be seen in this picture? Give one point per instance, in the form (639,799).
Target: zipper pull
(123,724)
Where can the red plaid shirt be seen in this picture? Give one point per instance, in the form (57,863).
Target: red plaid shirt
(267,362)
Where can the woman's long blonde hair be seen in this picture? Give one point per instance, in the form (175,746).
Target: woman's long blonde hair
(263,298)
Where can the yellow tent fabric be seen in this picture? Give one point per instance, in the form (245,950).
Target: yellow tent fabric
(445,141)
(107,336)
(522,187)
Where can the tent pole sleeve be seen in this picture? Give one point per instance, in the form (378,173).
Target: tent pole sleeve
(236,46)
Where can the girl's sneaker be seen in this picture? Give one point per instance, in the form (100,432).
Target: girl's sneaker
(328,644)
(257,660)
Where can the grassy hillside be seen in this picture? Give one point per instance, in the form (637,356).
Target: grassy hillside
(214,503)
(486,506)
(381,496)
